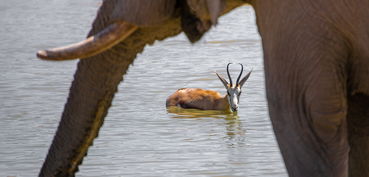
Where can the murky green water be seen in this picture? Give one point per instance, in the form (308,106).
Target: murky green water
(139,137)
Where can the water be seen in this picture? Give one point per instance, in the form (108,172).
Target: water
(139,137)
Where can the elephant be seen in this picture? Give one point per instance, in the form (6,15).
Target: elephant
(316,61)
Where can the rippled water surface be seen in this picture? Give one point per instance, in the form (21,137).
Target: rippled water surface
(140,137)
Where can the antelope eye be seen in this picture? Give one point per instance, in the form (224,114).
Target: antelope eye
(228,93)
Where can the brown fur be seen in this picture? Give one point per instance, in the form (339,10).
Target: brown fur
(198,99)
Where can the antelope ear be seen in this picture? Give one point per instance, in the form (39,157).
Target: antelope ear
(225,83)
(244,79)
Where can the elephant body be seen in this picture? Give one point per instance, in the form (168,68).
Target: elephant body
(316,59)
(323,46)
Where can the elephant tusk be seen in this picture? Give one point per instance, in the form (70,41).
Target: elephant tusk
(104,40)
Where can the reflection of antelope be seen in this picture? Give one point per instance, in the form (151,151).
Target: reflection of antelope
(208,99)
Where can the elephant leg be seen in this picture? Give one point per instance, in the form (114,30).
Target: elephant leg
(305,71)
(311,128)
(358,128)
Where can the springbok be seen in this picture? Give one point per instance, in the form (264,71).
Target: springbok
(208,99)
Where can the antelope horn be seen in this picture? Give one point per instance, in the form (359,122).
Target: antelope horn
(229,76)
(239,76)
(104,40)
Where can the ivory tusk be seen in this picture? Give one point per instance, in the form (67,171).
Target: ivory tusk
(93,45)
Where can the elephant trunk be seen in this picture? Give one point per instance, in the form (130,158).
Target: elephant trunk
(95,83)
(90,97)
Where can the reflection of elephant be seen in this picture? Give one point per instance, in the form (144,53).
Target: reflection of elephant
(316,58)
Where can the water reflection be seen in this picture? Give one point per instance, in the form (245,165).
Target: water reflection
(234,131)
(178,112)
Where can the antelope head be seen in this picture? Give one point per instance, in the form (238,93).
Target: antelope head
(234,90)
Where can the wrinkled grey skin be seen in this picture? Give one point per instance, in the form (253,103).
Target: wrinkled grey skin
(316,58)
